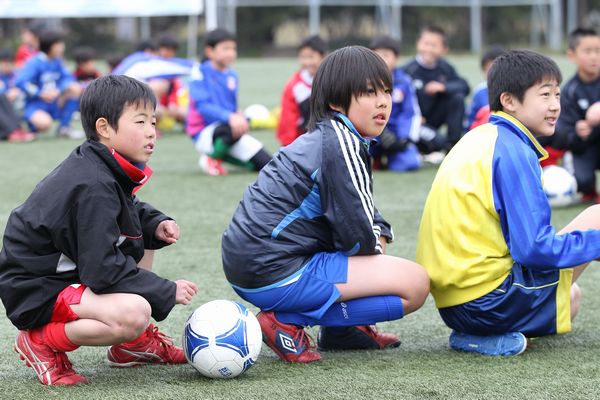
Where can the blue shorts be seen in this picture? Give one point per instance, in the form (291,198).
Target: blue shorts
(310,291)
(35,105)
(533,302)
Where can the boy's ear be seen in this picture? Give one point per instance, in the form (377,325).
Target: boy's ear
(102,128)
(336,108)
(571,55)
(508,102)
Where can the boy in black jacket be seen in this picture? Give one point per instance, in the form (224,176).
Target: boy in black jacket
(441,92)
(76,257)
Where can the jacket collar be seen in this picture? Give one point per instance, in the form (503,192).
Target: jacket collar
(130,177)
(502,118)
(350,126)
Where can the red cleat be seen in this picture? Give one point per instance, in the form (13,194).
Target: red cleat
(289,342)
(21,136)
(211,166)
(360,337)
(52,368)
(590,197)
(153,347)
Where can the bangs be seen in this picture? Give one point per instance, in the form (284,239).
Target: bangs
(371,74)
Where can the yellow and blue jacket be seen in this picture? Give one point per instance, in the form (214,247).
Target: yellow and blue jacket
(487,210)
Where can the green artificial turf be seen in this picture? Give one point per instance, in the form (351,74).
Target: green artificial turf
(564,367)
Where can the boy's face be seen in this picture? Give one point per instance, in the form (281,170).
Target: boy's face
(431,48)
(167,52)
(57,50)
(587,57)
(390,58)
(6,67)
(88,66)
(539,109)
(135,136)
(370,112)
(223,54)
(310,59)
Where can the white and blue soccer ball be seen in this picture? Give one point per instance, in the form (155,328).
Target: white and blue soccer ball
(559,185)
(222,339)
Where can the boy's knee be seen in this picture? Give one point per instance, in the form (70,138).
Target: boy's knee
(132,318)
(419,289)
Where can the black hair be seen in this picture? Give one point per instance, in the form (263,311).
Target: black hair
(491,54)
(346,73)
(146,45)
(6,55)
(107,97)
(316,43)
(385,42)
(168,41)
(83,54)
(578,34)
(49,38)
(36,27)
(217,36)
(114,59)
(516,71)
(437,30)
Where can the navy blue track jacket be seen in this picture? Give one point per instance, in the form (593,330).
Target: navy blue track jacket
(316,195)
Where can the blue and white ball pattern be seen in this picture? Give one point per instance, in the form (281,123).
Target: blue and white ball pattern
(222,339)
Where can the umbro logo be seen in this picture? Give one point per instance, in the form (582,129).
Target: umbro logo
(287,343)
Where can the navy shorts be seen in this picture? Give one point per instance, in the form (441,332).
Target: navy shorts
(310,291)
(533,302)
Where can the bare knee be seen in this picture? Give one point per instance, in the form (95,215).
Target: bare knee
(415,296)
(41,120)
(575,300)
(131,319)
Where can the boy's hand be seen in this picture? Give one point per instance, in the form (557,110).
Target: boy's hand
(383,242)
(239,124)
(185,291)
(583,129)
(592,115)
(434,87)
(49,95)
(167,231)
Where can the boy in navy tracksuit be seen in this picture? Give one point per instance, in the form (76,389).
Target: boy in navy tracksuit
(578,95)
(218,129)
(75,266)
(306,243)
(50,89)
(441,92)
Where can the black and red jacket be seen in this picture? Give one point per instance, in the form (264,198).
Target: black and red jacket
(81,224)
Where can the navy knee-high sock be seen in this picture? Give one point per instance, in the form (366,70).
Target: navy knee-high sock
(363,311)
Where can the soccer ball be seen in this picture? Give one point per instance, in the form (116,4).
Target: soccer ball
(222,339)
(257,111)
(560,186)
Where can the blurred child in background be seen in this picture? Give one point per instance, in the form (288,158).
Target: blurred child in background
(30,42)
(441,92)
(172,107)
(296,94)
(479,111)
(50,89)
(85,65)
(396,142)
(215,124)
(578,96)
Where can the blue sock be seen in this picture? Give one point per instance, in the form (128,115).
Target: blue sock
(67,111)
(363,311)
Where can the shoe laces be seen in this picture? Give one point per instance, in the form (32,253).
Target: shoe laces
(304,339)
(63,364)
(155,335)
